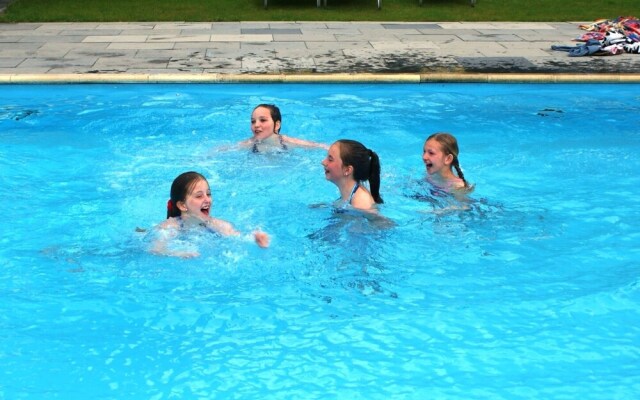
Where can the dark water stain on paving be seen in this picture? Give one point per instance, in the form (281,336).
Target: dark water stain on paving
(495,64)
(423,62)
(418,61)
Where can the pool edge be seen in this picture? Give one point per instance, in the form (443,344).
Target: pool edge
(320,78)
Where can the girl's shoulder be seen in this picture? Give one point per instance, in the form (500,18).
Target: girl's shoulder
(456,184)
(448,184)
(170,223)
(363,200)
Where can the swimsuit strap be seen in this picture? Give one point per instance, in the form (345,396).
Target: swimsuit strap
(284,146)
(340,205)
(353,191)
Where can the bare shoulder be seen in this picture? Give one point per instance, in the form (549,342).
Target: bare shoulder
(457,184)
(169,223)
(363,200)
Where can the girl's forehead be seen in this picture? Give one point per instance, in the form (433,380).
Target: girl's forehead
(261,112)
(432,144)
(200,185)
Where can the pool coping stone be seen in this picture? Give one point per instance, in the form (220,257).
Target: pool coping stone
(325,78)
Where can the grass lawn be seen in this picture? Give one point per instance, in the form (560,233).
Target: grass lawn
(306,10)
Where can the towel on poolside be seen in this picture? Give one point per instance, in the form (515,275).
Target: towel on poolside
(606,37)
(592,46)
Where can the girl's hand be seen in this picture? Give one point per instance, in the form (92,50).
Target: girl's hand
(262,239)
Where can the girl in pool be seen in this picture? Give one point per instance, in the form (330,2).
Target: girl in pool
(440,155)
(266,121)
(189,207)
(348,165)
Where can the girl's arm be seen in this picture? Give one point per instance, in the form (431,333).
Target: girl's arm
(246,143)
(160,248)
(165,232)
(304,143)
(225,228)
(232,147)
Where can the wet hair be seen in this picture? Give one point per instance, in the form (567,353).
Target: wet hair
(276,116)
(365,163)
(180,189)
(450,146)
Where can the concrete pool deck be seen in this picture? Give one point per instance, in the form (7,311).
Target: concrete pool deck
(302,51)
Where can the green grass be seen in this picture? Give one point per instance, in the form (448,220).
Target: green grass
(306,10)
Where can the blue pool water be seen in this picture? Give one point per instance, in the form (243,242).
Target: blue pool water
(532,292)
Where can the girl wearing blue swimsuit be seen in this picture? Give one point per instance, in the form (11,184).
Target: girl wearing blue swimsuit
(348,165)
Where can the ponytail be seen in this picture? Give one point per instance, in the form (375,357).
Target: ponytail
(374,177)
(172,210)
(365,163)
(456,165)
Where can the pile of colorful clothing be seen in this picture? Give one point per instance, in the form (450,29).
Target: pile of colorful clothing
(606,37)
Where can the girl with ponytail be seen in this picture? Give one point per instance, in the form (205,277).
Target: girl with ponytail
(348,165)
(440,156)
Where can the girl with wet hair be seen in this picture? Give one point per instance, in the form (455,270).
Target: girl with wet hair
(189,207)
(348,165)
(440,156)
(266,122)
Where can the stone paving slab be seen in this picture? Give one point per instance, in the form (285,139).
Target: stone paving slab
(302,48)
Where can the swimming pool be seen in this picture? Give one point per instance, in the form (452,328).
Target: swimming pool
(534,292)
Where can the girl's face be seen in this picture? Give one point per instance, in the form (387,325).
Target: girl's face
(434,158)
(334,170)
(262,124)
(198,201)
